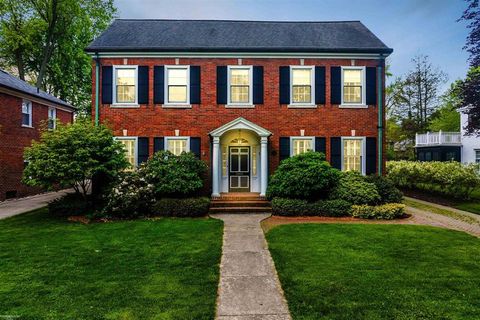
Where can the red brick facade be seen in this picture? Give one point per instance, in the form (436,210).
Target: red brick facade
(14,138)
(153,120)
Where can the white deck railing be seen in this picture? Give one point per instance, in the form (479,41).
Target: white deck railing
(438,138)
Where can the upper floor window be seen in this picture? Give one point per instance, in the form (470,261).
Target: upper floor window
(301,145)
(240,85)
(125,85)
(177,145)
(52,116)
(353,85)
(302,84)
(177,83)
(26,113)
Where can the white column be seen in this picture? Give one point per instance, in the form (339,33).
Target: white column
(263,166)
(215,167)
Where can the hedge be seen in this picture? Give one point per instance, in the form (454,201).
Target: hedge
(387,211)
(299,207)
(186,207)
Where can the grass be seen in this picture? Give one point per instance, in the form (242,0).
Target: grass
(358,271)
(472,205)
(448,213)
(157,269)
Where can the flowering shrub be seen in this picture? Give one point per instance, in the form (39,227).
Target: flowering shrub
(447,178)
(387,211)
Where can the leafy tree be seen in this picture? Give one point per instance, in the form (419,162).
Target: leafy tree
(447,118)
(71,155)
(472,16)
(44,41)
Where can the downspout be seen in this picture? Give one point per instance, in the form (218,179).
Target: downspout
(97,85)
(380,114)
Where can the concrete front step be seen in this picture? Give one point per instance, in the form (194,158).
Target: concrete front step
(240,210)
(239,203)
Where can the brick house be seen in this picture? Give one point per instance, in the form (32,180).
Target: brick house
(243,95)
(23,108)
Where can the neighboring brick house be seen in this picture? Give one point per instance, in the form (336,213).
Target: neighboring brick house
(22,110)
(243,95)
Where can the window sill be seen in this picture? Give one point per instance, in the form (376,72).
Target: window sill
(353,106)
(240,106)
(29,127)
(177,106)
(122,105)
(302,106)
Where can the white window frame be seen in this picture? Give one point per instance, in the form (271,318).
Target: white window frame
(477,159)
(250,87)
(362,149)
(312,81)
(165,147)
(30,113)
(54,117)
(135,151)
(363,104)
(292,139)
(114,98)
(165,88)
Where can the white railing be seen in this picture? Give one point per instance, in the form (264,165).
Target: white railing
(438,138)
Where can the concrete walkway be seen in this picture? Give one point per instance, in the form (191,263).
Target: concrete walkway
(17,206)
(249,288)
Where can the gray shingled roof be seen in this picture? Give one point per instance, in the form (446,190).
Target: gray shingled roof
(10,82)
(237,36)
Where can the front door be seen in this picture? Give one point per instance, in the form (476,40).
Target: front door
(239,172)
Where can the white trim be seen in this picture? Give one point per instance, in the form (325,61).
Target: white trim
(167,138)
(240,123)
(302,106)
(240,106)
(362,148)
(36,100)
(312,88)
(267,55)
(301,138)
(30,113)
(354,105)
(114,100)
(248,104)
(167,104)
(54,118)
(135,148)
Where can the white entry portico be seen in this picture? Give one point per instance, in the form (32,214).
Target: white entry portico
(239,158)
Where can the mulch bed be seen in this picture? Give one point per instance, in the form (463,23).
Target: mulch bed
(425,196)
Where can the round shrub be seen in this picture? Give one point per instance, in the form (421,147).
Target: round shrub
(185,207)
(387,211)
(174,176)
(353,188)
(386,189)
(72,204)
(305,176)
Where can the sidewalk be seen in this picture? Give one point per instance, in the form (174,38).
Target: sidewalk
(17,206)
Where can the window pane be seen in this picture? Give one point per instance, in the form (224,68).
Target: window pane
(125,77)
(25,119)
(177,93)
(244,162)
(126,94)
(301,77)
(301,94)
(301,146)
(129,150)
(177,77)
(234,163)
(352,156)
(477,156)
(25,107)
(239,76)
(239,94)
(177,146)
(352,77)
(352,94)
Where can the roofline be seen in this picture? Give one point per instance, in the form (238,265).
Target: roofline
(50,101)
(235,20)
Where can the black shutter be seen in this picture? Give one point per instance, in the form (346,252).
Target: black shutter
(284,148)
(142,154)
(284,85)
(158,144)
(371,86)
(195,143)
(257,85)
(143,84)
(158,84)
(321,145)
(221,85)
(319,85)
(336,152)
(107,82)
(371,156)
(194,84)
(335,85)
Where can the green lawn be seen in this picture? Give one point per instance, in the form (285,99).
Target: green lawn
(356,271)
(162,269)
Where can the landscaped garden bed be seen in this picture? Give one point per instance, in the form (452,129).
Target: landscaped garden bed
(365,271)
(145,269)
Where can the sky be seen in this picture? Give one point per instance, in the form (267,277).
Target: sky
(410,27)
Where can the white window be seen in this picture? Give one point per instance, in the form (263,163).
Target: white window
(352,154)
(240,85)
(177,145)
(302,84)
(353,86)
(52,116)
(130,145)
(177,84)
(125,86)
(300,145)
(26,113)
(477,156)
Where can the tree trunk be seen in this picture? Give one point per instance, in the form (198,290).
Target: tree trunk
(20,65)
(48,49)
